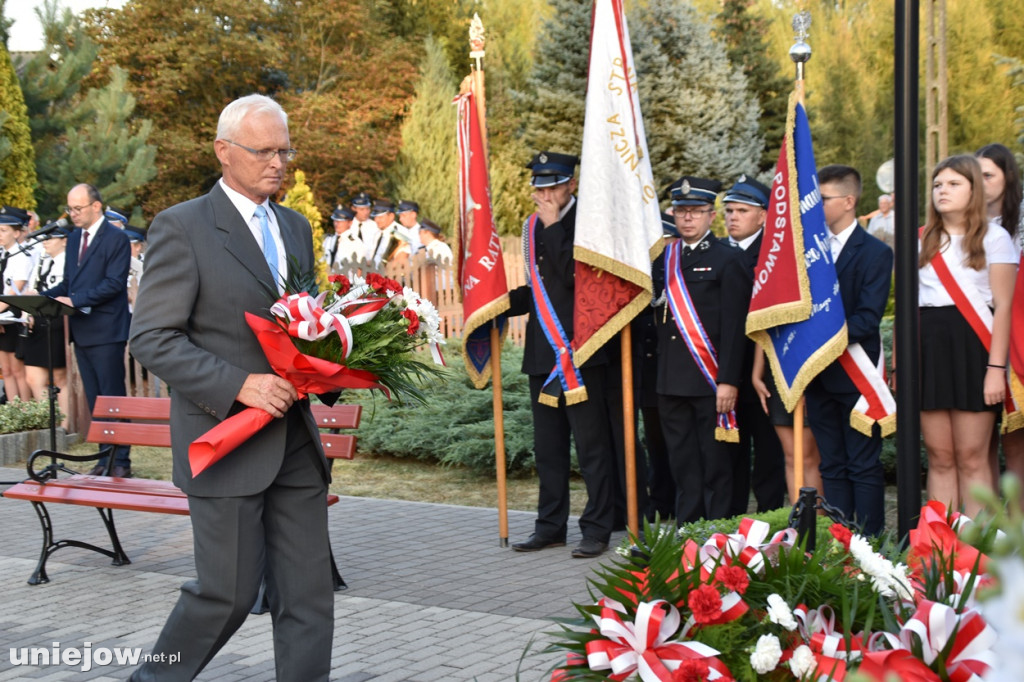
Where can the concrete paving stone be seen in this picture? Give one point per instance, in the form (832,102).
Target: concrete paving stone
(431,592)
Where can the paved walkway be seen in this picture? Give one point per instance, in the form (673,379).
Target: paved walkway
(432,595)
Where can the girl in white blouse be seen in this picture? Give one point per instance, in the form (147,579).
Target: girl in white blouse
(962,376)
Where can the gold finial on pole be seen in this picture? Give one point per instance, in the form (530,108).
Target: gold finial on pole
(476,39)
(800,53)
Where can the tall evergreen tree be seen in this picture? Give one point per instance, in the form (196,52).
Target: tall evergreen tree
(300,198)
(699,116)
(558,85)
(17,165)
(426,168)
(5,24)
(109,149)
(743,31)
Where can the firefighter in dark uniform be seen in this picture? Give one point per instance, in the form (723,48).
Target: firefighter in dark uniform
(701,343)
(559,404)
(746,207)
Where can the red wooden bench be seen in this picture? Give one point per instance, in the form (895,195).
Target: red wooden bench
(105,493)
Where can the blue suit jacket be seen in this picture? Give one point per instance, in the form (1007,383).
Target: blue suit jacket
(99,284)
(864,270)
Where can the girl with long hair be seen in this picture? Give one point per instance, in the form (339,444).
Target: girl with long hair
(967,272)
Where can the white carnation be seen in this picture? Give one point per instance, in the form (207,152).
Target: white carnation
(802,661)
(766,654)
(779,612)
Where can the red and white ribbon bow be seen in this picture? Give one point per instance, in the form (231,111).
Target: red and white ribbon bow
(747,545)
(833,651)
(643,646)
(307,320)
(934,625)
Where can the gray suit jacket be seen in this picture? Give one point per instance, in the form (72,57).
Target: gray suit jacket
(204,271)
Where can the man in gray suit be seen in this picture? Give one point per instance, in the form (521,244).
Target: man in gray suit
(261,510)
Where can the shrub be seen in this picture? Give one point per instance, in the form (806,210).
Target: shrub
(18,416)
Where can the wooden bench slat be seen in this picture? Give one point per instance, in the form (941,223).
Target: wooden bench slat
(121,407)
(126,433)
(338,445)
(337,417)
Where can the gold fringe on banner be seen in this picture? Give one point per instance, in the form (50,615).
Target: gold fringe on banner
(865,424)
(727,435)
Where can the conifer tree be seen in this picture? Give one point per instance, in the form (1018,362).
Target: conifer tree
(17,165)
(699,116)
(427,167)
(743,31)
(300,198)
(558,85)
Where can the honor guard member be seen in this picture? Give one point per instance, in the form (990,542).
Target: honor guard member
(362,206)
(746,205)
(344,249)
(437,250)
(116,217)
(381,246)
(701,344)
(137,240)
(566,400)
(408,214)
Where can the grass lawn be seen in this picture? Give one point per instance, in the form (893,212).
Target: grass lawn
(390,478)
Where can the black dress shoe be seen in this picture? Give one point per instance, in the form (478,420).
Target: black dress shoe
(98,470)
(121,472)
(589,548)
(537,543)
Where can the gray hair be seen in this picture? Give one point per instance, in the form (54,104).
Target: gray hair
(233,114)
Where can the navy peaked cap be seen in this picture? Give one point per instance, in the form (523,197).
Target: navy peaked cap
(552,168)
(748,191)
(693,191)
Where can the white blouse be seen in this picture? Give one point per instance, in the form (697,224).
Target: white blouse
(999,248)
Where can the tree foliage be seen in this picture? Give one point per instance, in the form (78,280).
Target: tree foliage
(300,199)
(426,167)
(699,116)
(17,158)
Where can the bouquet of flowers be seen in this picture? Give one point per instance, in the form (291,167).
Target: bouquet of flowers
(356,334)
(752,605)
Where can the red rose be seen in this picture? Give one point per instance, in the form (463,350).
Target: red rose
(734,578)
(691,670)
(706,604)
(376,281)
(842,534)
(341,283)
(414,321)
(392,286)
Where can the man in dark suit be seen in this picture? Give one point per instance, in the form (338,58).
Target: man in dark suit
(96,283)
(746,205)
(561,408)
(699,373)
(261,510)
(851,468)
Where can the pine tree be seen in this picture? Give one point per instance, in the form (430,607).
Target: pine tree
(300,198)
(558,85)
(743,31)
(5,24)
(17,165)
(108,149)
(426,168)
(699,116)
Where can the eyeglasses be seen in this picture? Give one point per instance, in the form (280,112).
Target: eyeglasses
(267,155)
(77,209)
(692,212)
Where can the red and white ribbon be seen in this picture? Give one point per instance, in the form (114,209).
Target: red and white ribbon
(643,646)
(833,651)
(747,546)
(934,625)
(875,404)
(307,320)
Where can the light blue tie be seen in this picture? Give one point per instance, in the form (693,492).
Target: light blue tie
(269,246)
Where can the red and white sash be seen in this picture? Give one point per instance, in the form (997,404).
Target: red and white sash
(974,308)
(876,404)
(684,313)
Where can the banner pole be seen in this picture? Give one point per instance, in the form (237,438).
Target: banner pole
(798,445)
(499,435)
(629,429)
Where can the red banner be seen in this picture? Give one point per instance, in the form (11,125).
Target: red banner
(481,266)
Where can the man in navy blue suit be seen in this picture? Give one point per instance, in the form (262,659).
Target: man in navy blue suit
(96,283)
(851,467)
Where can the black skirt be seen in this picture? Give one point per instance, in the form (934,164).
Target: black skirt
(33,348)
(953,363)
(9,338)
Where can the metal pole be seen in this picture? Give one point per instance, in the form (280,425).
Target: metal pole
(906,332)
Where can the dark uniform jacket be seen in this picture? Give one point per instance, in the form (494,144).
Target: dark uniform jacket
(553,251)
(719,283)
(750,256)
(864,270)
